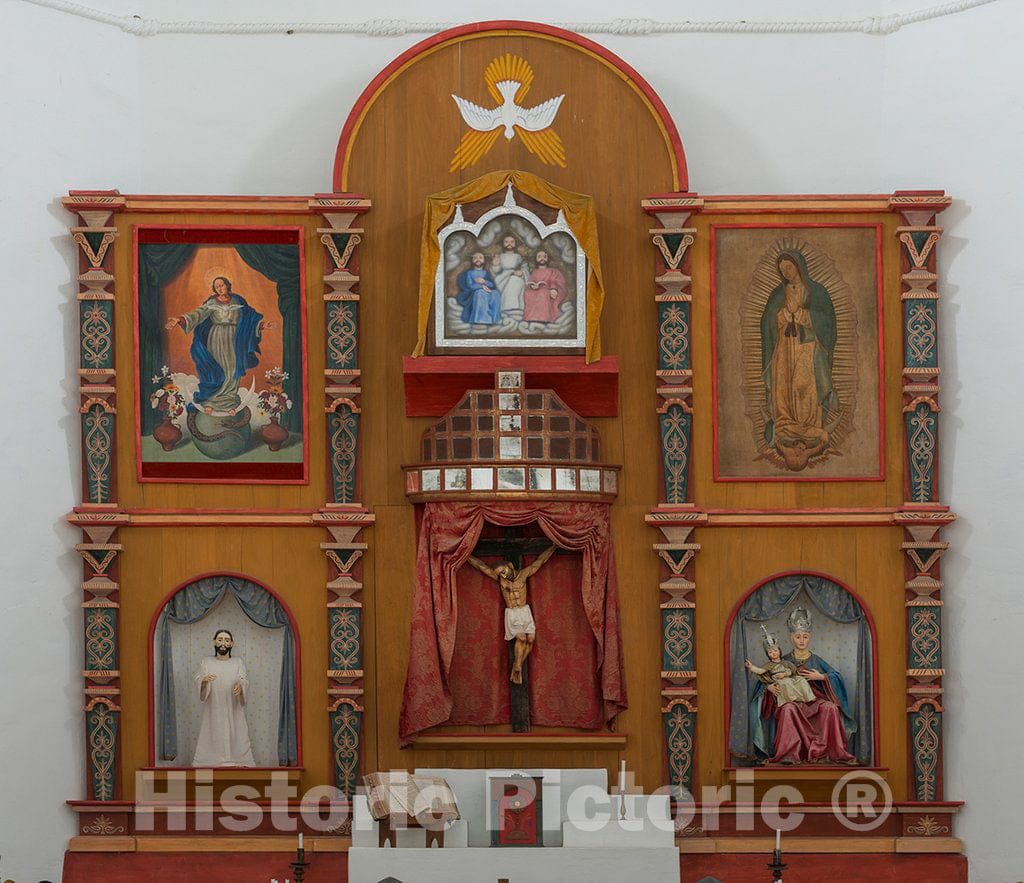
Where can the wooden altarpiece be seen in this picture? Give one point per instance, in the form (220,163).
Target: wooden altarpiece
(747,477)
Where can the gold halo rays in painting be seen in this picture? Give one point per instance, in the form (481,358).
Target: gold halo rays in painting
(844,369)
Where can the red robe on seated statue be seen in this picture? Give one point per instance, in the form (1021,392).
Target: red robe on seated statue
(809,732)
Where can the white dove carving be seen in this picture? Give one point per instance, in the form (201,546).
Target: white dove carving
(508,113)
(508,79)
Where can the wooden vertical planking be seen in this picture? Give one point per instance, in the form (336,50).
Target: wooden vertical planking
(733,560)
(287,559)
(617,153)
(398,168)
(393,563)
(790,495)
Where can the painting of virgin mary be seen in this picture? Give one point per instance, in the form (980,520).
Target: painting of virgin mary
(797,344)
(225,345)
(220,355)
(798,340)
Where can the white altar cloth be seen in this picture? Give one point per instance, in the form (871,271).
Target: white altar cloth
(648,823)
(564,864)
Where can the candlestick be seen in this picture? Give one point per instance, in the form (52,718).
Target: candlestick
(778,840)
(300,841)
(622,791)
(776,866)
(300,864)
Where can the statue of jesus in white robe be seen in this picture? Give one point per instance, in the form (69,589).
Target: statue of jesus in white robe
(223,733)
(509,270)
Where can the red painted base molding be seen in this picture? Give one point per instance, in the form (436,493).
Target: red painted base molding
(190,867)
(847,867)
(239,867)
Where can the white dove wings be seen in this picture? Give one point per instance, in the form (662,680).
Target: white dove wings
(477,117)
(508,80)
(532,119)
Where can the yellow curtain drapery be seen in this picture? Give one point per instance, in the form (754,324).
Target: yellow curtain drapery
(577,209)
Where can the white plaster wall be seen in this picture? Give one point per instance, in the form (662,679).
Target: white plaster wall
(964,131)
(262,114)
(935,105)
(67,119)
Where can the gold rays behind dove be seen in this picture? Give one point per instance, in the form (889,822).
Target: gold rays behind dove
(508,80)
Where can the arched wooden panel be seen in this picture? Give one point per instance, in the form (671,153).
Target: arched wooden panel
(397,149)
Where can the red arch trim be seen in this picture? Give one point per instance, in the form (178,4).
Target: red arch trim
(726,671)
(295,637)
(479,29)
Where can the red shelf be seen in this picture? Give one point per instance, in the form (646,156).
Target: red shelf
(435,384)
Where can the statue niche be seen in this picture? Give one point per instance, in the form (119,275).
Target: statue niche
(224,677)
(801,676)
(516,617)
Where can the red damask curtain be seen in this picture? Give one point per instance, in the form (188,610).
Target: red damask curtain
(448,533)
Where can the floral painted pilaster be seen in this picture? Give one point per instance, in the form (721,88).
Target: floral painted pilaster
(98,516)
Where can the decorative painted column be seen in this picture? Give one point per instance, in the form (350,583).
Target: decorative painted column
(923,598)
(676,516)
(918,236)
(344,647)
(678,645)
(923,515)
(675,375)
(98,515)
(343,517)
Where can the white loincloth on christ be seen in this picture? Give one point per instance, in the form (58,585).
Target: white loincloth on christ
(519,621)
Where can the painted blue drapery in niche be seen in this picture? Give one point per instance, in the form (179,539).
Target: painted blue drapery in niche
(193,603)
(835,603)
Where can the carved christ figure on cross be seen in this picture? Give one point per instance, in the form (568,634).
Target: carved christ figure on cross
(519,622)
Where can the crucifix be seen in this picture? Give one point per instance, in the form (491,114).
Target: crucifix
(520,628)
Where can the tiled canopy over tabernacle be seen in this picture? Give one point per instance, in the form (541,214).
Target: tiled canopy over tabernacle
(511,439)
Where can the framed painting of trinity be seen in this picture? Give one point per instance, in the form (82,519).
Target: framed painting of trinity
(797,372)
(220,354)
(508,281)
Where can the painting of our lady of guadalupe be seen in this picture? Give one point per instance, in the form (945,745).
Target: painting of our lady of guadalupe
(220,355)
(798,342)
(797,353)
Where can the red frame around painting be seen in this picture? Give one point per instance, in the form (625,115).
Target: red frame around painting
(727,637)
(877,226)
(217,472)
(151,692)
